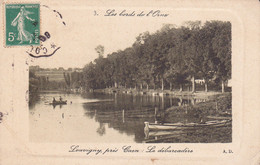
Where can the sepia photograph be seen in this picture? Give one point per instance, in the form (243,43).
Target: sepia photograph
(168,84)
(129,82)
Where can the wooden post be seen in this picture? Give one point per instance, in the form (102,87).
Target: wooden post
(123,115)
(193,84)
(162,84)
(223,86)
(180,87)
(155,114)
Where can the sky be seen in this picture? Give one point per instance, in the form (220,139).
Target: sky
(84,32)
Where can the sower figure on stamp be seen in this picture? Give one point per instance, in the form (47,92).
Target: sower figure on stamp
(23,35)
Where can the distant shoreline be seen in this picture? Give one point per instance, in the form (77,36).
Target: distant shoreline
(160,92)
(200,94)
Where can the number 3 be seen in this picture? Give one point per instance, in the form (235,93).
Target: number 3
(11,36)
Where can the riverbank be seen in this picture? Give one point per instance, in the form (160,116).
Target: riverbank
(152,92)
(217,107)
(158,92)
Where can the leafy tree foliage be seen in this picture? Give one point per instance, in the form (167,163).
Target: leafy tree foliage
(170,57)
(100,50)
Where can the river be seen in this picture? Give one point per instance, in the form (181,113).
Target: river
(98,117)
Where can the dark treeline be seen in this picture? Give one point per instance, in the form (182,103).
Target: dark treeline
(37,83)
(169,58)
(72,80)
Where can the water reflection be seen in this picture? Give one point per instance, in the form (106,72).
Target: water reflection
(56,105)
(98,117)
(127,113)
(101,130)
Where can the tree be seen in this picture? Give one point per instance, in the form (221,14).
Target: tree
(33,82)
(192,54)
(221,45)
(67,78)
(100,50)
(178,70)
(89,76)
(205,54)
(171,55)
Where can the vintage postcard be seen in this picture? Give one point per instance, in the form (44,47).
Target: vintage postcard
(158,82)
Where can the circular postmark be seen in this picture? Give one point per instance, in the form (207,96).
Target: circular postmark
(47,46)
(43,50)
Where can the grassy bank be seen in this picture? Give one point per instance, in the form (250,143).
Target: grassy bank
(217,106)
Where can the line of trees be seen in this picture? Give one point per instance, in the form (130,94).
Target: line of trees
(172,56)
(72,80)
(37,83)
(34,82)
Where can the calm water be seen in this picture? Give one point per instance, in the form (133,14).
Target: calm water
(98,118)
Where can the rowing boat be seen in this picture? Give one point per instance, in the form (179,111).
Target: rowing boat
(178,126)
(59,103)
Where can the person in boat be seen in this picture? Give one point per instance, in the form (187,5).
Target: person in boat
(53,101)
(202,120)
(60,99)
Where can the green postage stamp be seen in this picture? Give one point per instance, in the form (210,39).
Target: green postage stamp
(22,23)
